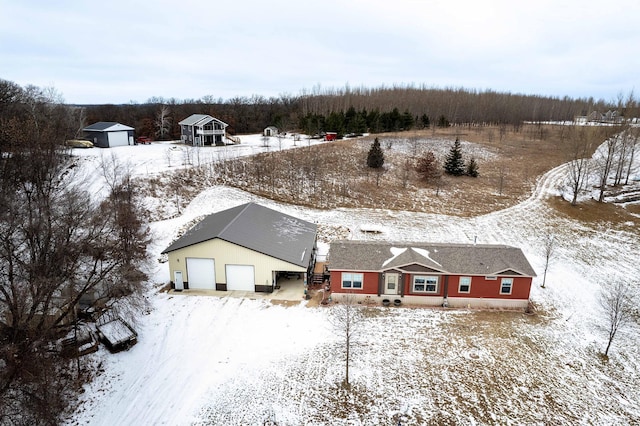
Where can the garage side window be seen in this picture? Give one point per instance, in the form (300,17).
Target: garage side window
(351,280)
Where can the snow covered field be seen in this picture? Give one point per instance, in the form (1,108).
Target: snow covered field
(227,361)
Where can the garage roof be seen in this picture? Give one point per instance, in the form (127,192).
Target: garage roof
(257,228)
(107,126)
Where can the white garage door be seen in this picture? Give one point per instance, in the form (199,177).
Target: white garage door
(201,273)
(240,277)
(118,138)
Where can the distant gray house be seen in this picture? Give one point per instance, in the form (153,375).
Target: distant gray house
(243,248)
(202,129)
(107,134)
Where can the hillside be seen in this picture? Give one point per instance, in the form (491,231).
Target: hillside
(209,360)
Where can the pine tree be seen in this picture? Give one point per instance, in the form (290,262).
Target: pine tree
(442,121)
(427,166)
(454,165)
(375,158)
(425,121)
(407,120)
(472,168)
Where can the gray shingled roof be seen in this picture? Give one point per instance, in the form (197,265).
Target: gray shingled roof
(467,259)
(101,126)
(199,119)
(257,228)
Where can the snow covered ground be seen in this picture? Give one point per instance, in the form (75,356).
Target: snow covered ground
(228,361)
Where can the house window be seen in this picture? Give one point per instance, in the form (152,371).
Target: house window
(422,284)
(506,286)
(464,285)
(351,280)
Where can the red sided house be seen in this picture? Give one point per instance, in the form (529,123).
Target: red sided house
(456,275)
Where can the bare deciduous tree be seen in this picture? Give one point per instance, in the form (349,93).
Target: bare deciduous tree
(617,303)
(167,155)
(347,319)
(163,122)
(578,162)
(548,247)
(633,146)
(58,245)
(603,161)
(405,172)
(502,175)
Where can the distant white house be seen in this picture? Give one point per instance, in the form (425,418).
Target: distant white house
(270,131)
(202,129)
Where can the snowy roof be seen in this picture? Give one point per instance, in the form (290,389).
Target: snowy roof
(107,126)
(200,120)
(258,228)
(468,259)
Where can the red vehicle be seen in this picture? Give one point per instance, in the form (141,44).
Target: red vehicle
(143,140)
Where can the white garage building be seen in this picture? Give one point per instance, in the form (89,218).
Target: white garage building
(243,248)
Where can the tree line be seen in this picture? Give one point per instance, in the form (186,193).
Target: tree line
(60,248)
(351,110)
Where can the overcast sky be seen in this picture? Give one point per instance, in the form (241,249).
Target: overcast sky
(120,51)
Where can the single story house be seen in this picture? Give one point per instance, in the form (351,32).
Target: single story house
(107,134)
(246,247)
(203,130)
(456,275)
(270,131)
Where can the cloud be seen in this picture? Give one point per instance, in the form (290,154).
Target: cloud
(118,51)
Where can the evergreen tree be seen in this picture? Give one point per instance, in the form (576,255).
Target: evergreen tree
(407,120)
(427,166)
(442,121)
(375,158)
(454,165)
(472,168)
(425,121)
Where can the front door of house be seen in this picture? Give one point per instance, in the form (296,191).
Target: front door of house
(390,283)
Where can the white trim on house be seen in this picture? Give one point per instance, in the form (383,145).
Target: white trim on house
(466,283)
(503,285)
(355,280)
(421,284)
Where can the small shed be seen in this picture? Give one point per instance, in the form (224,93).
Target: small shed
(330,136)
(270,131)
(107,134)
(115,332)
